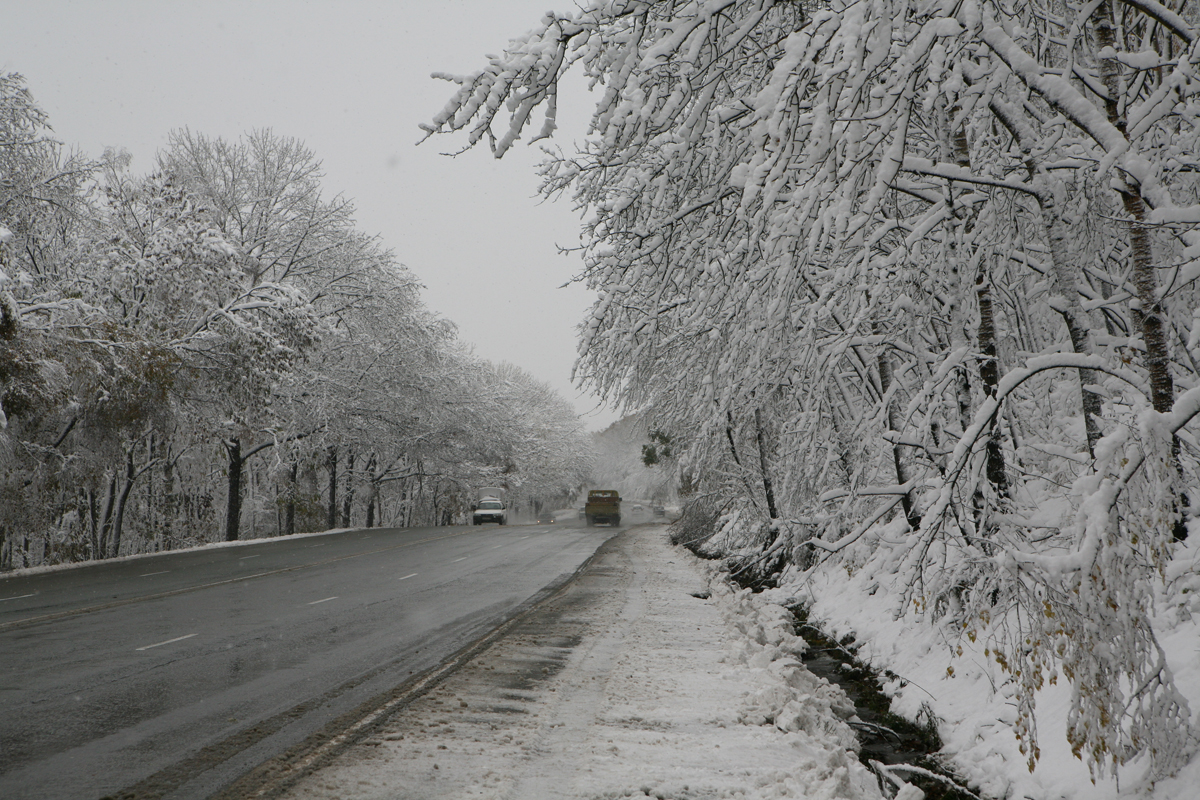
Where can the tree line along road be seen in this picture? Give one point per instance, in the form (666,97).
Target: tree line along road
(173,675)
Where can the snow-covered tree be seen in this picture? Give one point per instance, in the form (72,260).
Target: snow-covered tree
(861,257)
(215,350)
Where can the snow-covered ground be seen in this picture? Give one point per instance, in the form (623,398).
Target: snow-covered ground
(627,685)
(970,695)
(632,686)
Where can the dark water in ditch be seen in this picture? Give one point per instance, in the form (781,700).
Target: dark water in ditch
(886,737)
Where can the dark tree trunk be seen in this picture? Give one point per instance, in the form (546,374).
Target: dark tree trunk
(348,499)
(893,423)
(1141,254)
(1158,357)
(289,524)
(331,516)
(233,506)
(119,516)
(106,519)
(170,500)
(729,435)
(989,374)
(93,523)
(374,495)
(768,486)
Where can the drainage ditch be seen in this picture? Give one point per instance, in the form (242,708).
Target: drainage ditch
(905,748)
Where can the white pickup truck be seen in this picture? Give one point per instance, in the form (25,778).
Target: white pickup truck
(490,508)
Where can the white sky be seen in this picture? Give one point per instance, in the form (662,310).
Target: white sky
(351,80)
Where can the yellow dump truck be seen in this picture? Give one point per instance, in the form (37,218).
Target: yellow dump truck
(603,507)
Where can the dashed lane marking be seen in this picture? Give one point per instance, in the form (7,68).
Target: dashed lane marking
(18,597)
(273,776)
(148,574)
(455,561)
(168,641)
(326,600)
(406,577)
(159,595)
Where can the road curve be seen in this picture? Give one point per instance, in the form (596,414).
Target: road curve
(174,675)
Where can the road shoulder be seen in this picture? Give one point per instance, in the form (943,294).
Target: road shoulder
(626,684)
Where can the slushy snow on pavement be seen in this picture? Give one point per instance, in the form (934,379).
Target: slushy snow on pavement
(626,685)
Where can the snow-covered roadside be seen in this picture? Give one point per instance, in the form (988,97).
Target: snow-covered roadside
(969,694)
(627,686)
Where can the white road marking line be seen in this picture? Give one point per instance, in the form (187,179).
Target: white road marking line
(243,558)
(4,626)
(464,558)
(148,574)
(316,545)
(18,597)
(406,577)
(326,600)
(168,641)
(499,545)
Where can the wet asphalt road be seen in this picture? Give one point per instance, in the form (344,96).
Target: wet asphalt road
(116,675)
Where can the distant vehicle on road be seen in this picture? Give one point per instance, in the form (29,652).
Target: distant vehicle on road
(489,511)
(660,511)
(603,507)
(491,507)
(545,518)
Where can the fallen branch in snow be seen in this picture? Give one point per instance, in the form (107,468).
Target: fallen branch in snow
(888,769)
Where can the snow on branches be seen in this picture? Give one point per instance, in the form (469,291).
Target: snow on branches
(935,258)
(217,333)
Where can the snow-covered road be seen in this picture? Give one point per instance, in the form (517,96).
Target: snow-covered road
(625,685)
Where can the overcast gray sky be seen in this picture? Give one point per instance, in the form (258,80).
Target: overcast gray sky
(350,79)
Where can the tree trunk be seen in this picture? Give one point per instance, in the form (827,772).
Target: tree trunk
(154,522)
(729,435)
(1141,255)
(233,505)
(93,525)
(348,499)
(106,517)
(1158,356)
(331,516)
(989,365)
(122,499)
(768,486)
(170,500)
(1073,315)
(1062,279)
(989,374)
(374,492)
(893,423)
(289,525)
